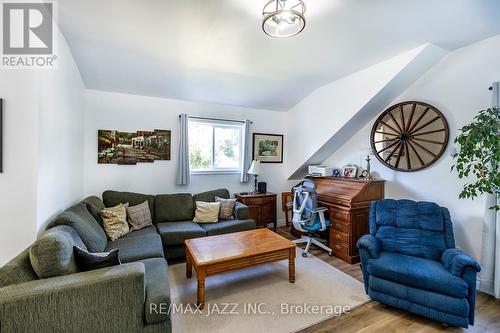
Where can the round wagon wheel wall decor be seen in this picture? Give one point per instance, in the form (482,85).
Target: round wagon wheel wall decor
(409,136)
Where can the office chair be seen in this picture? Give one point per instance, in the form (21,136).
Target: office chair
(307,217)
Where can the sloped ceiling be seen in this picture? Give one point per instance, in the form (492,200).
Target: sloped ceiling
(214,51)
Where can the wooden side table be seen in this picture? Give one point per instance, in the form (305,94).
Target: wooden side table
(262,207)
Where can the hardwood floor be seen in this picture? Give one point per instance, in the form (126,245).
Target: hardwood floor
(374,317)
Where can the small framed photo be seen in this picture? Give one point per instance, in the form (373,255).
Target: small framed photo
(349,171)
(268,148)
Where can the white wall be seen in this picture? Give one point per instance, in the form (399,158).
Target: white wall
(60,158)
(43,124)
(116,111)
(458,87)
(20,151)
(333,113)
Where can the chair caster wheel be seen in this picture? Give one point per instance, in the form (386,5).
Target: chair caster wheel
(304,254)
(330,254)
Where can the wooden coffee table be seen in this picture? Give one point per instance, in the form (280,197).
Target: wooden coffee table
(224,253)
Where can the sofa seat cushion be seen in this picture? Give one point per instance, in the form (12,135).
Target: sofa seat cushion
(137,248)
(174,207)
(437,301)
(89,230)
(151,230)
(157,290)
(417,272)
(228,226)
(175,233)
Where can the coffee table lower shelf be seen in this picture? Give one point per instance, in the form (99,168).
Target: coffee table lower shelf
(223,266)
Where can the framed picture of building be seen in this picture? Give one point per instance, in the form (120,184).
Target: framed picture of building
(268,148)
(116,147)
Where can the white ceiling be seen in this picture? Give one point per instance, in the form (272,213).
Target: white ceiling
(215,50)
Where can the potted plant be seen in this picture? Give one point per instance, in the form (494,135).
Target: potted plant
(479,155)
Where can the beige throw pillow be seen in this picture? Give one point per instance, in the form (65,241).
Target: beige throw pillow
(139,216)
(114,220)
(206,212)
(226,208)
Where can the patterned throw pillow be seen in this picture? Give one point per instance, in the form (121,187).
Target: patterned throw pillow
(226,208)
(206,212)
(139,216)
(114,220)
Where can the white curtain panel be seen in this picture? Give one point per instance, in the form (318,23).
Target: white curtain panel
(183,174)
(247,152)
(490,256)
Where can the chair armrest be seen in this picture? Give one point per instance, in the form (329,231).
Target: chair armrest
(241,211)
(457,262)
(371,244)
(106,299)
(319,209)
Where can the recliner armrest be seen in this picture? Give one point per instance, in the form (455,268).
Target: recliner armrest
(457,262)
(241,211)
(371,244)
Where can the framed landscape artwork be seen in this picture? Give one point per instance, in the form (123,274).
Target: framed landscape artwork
(115,147)
(268,148)
(1,136)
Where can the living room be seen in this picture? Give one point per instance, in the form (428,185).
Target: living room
(236,165)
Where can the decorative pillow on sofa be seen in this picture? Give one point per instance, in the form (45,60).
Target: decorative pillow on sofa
(206,212)
(114,220)
(87,261)
(52,254)
(139,216)
(226,208)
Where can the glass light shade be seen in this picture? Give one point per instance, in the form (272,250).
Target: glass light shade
(255,168)
(283,18)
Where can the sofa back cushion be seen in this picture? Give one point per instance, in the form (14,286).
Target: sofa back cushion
(52,254)
(421,229)
(173,207)
(95,206)
(209,196)
(89,230)
(18,270)
(114,198)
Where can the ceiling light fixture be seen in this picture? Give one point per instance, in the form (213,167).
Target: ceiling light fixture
(283,18)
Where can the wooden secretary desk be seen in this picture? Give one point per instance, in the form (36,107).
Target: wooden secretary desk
(348,202)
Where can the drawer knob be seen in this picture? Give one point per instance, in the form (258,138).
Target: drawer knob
(338,225)
(337,236)
(337,246)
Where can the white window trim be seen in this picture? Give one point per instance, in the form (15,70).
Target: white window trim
(221,123)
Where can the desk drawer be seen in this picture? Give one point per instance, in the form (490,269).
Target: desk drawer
(340,248)
(342,226)
(339,215)
(339,236)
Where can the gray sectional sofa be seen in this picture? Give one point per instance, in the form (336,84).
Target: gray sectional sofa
(114,299)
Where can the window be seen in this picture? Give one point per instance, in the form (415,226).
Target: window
(215,146)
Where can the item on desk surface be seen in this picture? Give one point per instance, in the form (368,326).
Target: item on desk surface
(262,187)
(349,171)
(364,174)
(255,170)
(320,170)
(336,173)
(368,175)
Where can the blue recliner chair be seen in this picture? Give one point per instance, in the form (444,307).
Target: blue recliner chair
(409,261)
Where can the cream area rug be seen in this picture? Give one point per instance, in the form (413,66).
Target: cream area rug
(260,298)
